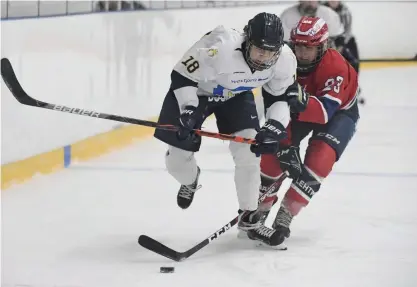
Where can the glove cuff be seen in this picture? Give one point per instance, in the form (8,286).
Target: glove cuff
(189,110)
(274,126)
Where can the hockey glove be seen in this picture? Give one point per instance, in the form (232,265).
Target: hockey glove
(187,122)
(289,159)
(297,98)
(268,138)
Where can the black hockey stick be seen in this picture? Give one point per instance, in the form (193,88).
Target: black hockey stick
(163,250)
(16,89)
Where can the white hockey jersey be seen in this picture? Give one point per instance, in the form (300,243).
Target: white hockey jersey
(217,64)
(291,16)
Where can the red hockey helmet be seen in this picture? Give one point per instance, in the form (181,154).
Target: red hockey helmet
(309,40)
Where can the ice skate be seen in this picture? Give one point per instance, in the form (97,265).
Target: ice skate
(186,193)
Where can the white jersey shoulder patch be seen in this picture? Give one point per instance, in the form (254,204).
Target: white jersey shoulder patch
(206,57)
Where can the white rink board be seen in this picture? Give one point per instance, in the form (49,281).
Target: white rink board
(120,63)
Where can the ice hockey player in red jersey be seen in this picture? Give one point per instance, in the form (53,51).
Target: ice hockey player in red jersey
(331,113)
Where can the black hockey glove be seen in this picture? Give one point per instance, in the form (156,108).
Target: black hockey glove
(188,121)
(268,138)
(297,98)
(289,159)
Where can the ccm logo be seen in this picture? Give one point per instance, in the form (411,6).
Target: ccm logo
(219,232)
(329,136)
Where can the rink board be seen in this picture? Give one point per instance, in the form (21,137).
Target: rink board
(97,145)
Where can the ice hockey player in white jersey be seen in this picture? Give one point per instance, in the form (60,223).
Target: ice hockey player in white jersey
(217,76)
(292,15)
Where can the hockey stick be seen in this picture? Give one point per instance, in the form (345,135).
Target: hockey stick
(163,250)
(16,89)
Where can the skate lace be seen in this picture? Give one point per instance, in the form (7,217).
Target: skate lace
(186,191)
(265,231)
(284,217)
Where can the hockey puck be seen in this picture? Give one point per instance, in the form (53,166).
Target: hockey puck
(166,269)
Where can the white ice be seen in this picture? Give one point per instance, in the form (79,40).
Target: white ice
(79,227)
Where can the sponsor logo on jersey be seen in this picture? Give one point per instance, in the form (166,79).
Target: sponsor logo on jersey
(249,80)
(219,98)
(220,90)
(243,81)
(212,52)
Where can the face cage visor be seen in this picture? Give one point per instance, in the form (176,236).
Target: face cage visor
(307,66)
(260,59)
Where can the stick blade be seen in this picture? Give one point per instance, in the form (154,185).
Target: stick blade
(10,79)
(159,248)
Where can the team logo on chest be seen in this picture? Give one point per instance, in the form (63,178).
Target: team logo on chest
(230,84)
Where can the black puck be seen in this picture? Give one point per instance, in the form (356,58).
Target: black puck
(166,269)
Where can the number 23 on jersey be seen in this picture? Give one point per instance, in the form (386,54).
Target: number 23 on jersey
(333,84)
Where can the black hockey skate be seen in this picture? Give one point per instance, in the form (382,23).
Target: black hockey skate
(262,212)
(251,226)
(267,236)
(185,195)
(276,236)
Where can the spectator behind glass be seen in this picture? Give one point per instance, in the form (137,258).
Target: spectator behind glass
(348,48)
(119,5)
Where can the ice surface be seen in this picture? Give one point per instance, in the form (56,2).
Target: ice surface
(79,227)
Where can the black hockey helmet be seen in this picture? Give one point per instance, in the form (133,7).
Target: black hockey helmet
(265,32)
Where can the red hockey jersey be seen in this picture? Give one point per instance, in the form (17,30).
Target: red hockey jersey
(332,86)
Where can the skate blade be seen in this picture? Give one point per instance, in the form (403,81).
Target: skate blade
(281,247)
(242,235)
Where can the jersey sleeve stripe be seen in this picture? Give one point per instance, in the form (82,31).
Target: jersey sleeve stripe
(316,104)
(330,105)
(327,96)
